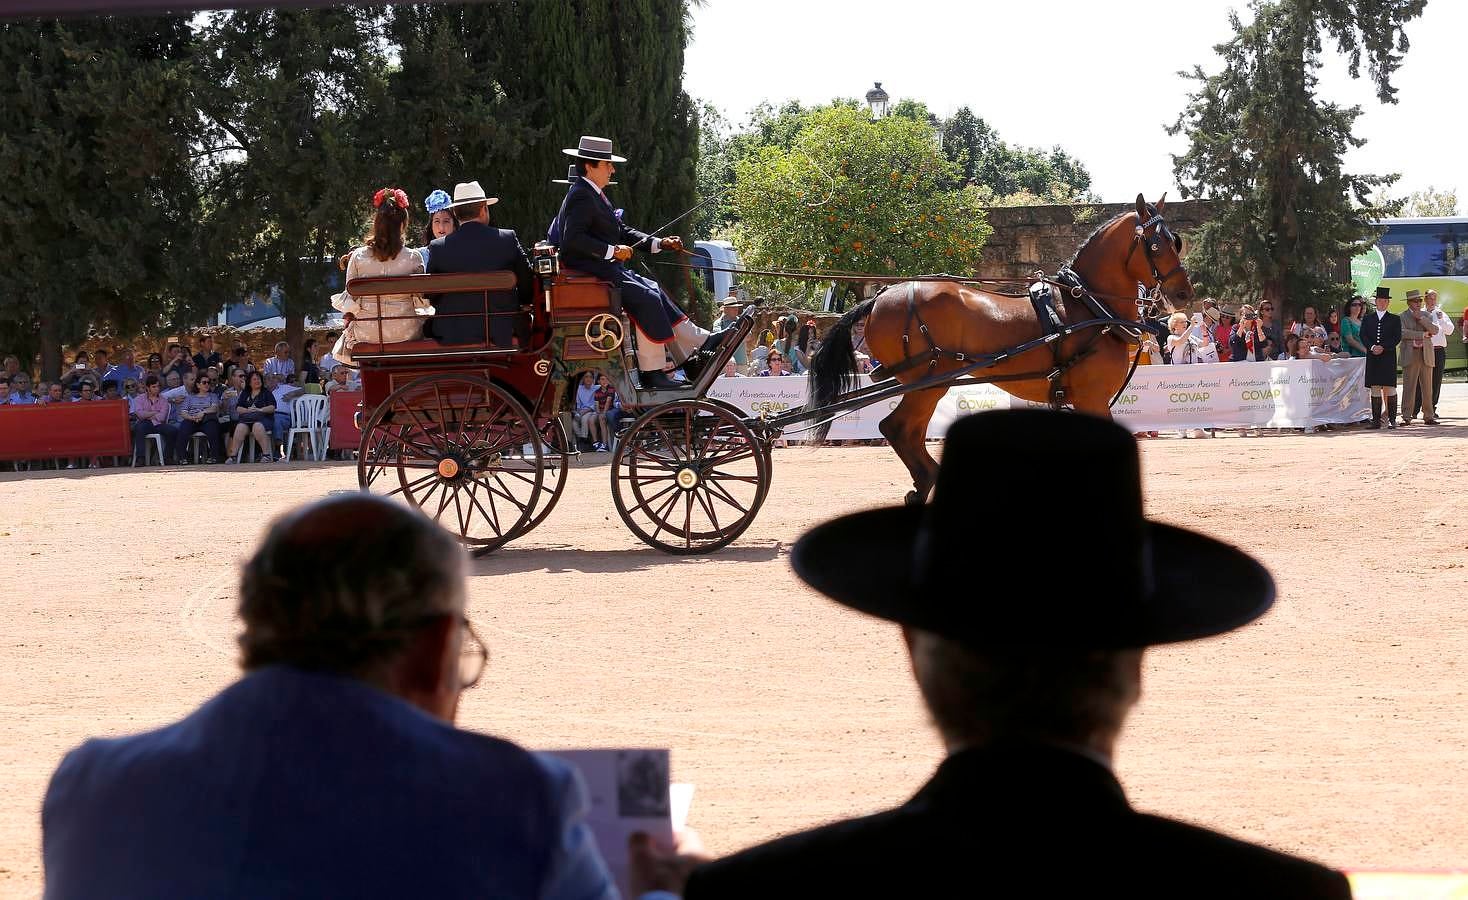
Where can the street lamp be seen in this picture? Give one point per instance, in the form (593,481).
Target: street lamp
(877,100)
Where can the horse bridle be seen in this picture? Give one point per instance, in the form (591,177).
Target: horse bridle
(1149,246)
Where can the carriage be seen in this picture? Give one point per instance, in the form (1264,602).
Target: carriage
(475,435)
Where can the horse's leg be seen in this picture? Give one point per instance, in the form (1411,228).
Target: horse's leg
(906,429)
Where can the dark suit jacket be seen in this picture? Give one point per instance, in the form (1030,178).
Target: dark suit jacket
(1387,331)
(588,226)
(476,247)
(1020,821)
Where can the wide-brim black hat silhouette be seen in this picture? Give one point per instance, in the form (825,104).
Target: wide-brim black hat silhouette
(1035,536)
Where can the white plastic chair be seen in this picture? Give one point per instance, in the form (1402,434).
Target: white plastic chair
(150,441)
(306,418)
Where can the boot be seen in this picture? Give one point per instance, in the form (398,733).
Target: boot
(1375,412)
(1391,411)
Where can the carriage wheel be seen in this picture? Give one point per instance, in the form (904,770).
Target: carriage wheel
(461,449)
(689,476)
(556,450)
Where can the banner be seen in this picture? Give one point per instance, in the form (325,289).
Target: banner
(1291,394)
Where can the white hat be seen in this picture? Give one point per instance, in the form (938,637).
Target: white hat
(596,149)
(466,192)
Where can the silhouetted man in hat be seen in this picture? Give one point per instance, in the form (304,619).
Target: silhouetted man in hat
(1028,692)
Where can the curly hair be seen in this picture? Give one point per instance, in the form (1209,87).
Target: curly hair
(389,225)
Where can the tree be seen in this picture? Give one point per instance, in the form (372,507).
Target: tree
(1261,141)
(1431,202)
(295,102)
(1000,170)
(857,194)
(96,124)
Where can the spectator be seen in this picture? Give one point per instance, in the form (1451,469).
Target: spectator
(285,395)
(609,407)
(229,398)
(1270,327)
(729,311)
(110,391)
(800,351)
(129,391)
(85,394)
(198,413)
(239,358)
(731,370)
(207,355)
(178,361)
(281,363)
(1351,328)
(154,366)
(1223,333)
(55,393)
(328,362)
(308,362)
(590,425)
(1292,347)
(343,378)
(1444,324)
(176,387)
(1177,349)
(81,372)
(1418,329)
(1310,324)
(125,368)
(254,417)
(4,392)
(776,363)
(1332,323)
(150,414)
(759,358)
(355,651)
(12,367)
(1029,695)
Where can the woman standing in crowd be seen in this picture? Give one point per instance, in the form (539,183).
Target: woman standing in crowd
(254,410)
(1351,328)
(1246,344)
(1223,333)
(1332,323)
(1310,324)
(1178,350)
(785,343)
(308,367)
(81,372)
(801,352)
(382,254)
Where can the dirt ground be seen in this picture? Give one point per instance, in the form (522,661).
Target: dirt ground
(1333,727)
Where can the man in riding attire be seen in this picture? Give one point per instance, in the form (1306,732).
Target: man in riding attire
(594,239)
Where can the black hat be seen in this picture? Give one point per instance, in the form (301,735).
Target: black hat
(1383,293)
(1016,551)
(572,176)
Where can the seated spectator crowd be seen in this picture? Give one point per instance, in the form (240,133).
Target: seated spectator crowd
(333,766)
(230,404)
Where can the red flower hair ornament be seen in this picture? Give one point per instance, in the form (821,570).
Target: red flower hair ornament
(396,195)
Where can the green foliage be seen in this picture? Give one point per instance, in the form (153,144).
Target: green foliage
(1431,202)
(95,130)
(1011,176)
(1261,141)
(854,194)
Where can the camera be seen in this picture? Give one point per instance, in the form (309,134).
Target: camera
(79,366)
(1250,317)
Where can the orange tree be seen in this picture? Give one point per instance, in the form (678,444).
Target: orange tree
(857,194)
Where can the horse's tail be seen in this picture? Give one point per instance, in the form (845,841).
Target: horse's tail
(833,368)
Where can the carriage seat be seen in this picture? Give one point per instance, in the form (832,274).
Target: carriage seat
(578,296)
(423,345)
(428,285)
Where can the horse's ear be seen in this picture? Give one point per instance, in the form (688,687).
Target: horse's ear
(1142,208)
(1161,200)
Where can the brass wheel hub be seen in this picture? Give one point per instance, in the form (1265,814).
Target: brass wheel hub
(687,479)
(448,468)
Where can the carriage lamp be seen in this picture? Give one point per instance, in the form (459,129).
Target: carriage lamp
(545,259)
(877,100)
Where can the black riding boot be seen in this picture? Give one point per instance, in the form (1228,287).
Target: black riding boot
(1391,411)
(1375,412)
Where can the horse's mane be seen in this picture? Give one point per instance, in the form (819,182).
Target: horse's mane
(1092,236)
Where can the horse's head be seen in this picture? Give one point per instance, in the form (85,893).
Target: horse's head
(1160,263)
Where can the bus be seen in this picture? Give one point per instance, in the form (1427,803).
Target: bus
(1429,253)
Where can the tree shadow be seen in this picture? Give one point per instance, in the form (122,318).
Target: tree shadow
(565,558)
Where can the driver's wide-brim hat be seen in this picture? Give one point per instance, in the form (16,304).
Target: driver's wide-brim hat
(467,192)
(596,149)
(1035,536)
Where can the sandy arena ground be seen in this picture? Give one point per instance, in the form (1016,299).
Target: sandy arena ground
(1334,727)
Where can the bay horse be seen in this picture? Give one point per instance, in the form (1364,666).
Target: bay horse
(966,322)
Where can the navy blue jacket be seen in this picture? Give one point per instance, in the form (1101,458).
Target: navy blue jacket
(588,226)
(476,247)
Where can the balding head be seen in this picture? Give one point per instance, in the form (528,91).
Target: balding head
(355,585)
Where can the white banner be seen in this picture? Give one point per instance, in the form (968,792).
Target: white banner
(1293,394)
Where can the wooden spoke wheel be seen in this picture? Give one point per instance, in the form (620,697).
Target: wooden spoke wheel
(689,476)
(463,450)
(556,451)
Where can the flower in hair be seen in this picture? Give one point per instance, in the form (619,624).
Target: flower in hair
(436,201)
(398,197)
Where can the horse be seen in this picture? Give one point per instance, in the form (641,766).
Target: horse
(958,322)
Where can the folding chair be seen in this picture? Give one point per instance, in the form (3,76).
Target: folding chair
(305,420)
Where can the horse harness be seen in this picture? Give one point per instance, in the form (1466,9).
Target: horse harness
(1052,328)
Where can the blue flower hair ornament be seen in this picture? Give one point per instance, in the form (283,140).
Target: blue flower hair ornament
(436,201)
(618,214)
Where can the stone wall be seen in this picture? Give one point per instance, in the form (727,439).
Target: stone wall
(260,343)
(1027,238)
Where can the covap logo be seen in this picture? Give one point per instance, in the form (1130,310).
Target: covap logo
(1189,396)
(978,404)
(1126,399)
(1271,394)
(768,407)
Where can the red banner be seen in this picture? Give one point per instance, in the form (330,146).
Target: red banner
(63,430)
(344,432)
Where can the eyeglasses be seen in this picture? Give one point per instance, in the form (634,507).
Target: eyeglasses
(473,657)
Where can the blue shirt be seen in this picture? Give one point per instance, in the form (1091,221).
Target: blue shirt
(121,374)
(296,784)
(19,399)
